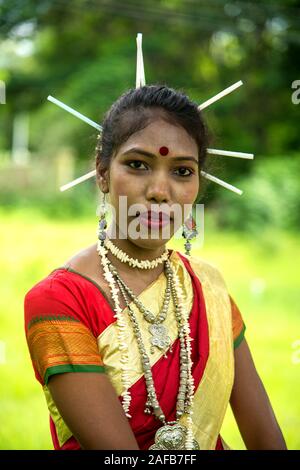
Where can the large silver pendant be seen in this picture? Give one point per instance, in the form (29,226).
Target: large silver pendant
(172,437)
(160,337)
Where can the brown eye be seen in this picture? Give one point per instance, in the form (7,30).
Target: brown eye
(135,162)
(184,169)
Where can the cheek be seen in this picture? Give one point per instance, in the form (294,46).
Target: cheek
(188,194)
(122,184)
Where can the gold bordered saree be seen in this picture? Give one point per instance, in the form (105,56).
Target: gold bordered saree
(70,326)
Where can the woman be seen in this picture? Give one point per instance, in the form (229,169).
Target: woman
(136,346)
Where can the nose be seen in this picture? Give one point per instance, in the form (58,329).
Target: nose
(158,189)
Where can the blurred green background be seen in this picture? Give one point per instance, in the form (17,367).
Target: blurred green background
(84,53)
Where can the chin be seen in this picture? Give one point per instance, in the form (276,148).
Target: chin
(149,243)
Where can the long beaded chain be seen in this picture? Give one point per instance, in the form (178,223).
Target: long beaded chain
(177,294)
(185,394)
(152,398)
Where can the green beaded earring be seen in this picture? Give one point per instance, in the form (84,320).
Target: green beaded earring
(189,231)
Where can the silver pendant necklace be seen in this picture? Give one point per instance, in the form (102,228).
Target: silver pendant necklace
(172,435)
(159,333)
(160,338)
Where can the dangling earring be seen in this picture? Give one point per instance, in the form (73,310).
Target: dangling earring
(102,221)
(189,231)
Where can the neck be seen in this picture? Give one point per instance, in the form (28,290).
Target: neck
(136,252)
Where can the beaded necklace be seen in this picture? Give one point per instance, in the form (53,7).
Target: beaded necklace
(171,435)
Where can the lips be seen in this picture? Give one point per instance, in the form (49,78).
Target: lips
(155,216)
(154,220)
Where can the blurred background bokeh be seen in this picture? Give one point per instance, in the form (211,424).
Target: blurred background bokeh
(83,52)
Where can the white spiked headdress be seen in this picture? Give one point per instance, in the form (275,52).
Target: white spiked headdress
(140,81)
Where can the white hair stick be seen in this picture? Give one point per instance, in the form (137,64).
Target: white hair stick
(140,73)
(75,113)
(221,183)
(228,153)
(220,95)
(78,180)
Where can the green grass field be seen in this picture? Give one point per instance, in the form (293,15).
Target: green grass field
(261,273)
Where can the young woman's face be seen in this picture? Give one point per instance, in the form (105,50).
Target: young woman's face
(157,182)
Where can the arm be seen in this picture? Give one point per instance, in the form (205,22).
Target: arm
(251,406)
(91,409)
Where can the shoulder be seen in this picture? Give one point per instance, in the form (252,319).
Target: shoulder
(208,274)
(83,259)
(212,280)
(59,280)
(69,291)
(55,295)
(202,267)
(60,290)
(86,263)
(56,285)
(198,261)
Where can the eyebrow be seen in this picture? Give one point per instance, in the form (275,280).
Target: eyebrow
(152,155)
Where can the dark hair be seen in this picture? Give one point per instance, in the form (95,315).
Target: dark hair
(137,108)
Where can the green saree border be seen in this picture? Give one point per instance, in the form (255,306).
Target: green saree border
(71,368)
(240,337)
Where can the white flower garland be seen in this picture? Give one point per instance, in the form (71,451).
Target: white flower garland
(134,262)
(126,396)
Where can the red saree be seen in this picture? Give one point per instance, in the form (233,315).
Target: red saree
(70,326)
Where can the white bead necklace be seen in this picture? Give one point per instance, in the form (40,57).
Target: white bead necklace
(142,264)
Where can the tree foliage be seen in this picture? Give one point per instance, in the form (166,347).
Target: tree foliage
(83,52)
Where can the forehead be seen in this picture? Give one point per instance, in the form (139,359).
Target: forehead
(161,133)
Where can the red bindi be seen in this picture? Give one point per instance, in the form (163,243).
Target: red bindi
(164,150)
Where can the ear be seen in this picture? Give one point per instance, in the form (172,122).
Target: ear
(102,175)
